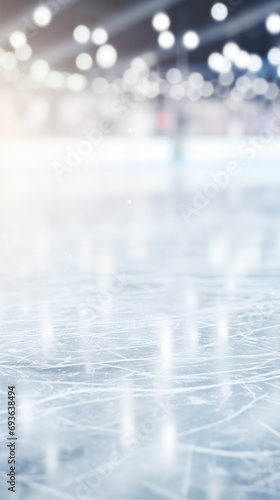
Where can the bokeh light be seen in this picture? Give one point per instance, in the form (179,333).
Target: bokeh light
(99,36)
(42,16)
(81,34)
(106,56)
(161,21)
(166,40)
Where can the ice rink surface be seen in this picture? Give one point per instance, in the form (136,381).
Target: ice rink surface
(144,349)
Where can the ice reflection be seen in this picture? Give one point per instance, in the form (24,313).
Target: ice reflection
(168,443)
(169,372)
(166,345)
(192,336)
(223,329)
(26,410)
(127,423)
(51,458)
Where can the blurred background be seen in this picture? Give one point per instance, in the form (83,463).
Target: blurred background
(68,64)
(164,73)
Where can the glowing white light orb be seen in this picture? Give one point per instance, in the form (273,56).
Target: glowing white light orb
(9,61)
(174,76)
(273,24)
(243,60)
(17,39)
(274,56)
(166,40)
(196,80)
(39,70)
(23,53)
(255,63)
(76,82)
(81,34)
(231,51)
(138,64)
(161,21)
(243,84)
(272,91)
(106,56)
(42,16)
(84,61)
(219,11)
(260,86)
(130,76)
(55,80)
(191,40)
(99,36)
(100,85)
(226,79)
(219,63)
(207,89)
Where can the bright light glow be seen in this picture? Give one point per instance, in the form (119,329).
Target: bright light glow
(177,92)
(260,86)
(273,24)
(106,56)
(138,64)
(152,88)
(243,84)
(196,80)
(130,76)
(226,79)
(76,82)
(274,56)
(174,76)
(23,53)
(150,58)
(99,36)
(17,39)
(219,63)
(39,70)
(161,21)
(231,51)
(236,96)
(9,61)
(272,92)
(191,40)
(207,89)
(55,80)
(100,85)
(193,94)
(84,61)
(11,75)
(166,40)
(42,16)
(250,94)
(243,60)
(255,63)
(81,34)
(278,71)
(219,11)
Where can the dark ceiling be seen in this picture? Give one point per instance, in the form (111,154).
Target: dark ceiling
(130,31)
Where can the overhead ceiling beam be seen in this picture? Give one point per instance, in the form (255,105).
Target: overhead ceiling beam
(24,20)
(116,23)
(240,23)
